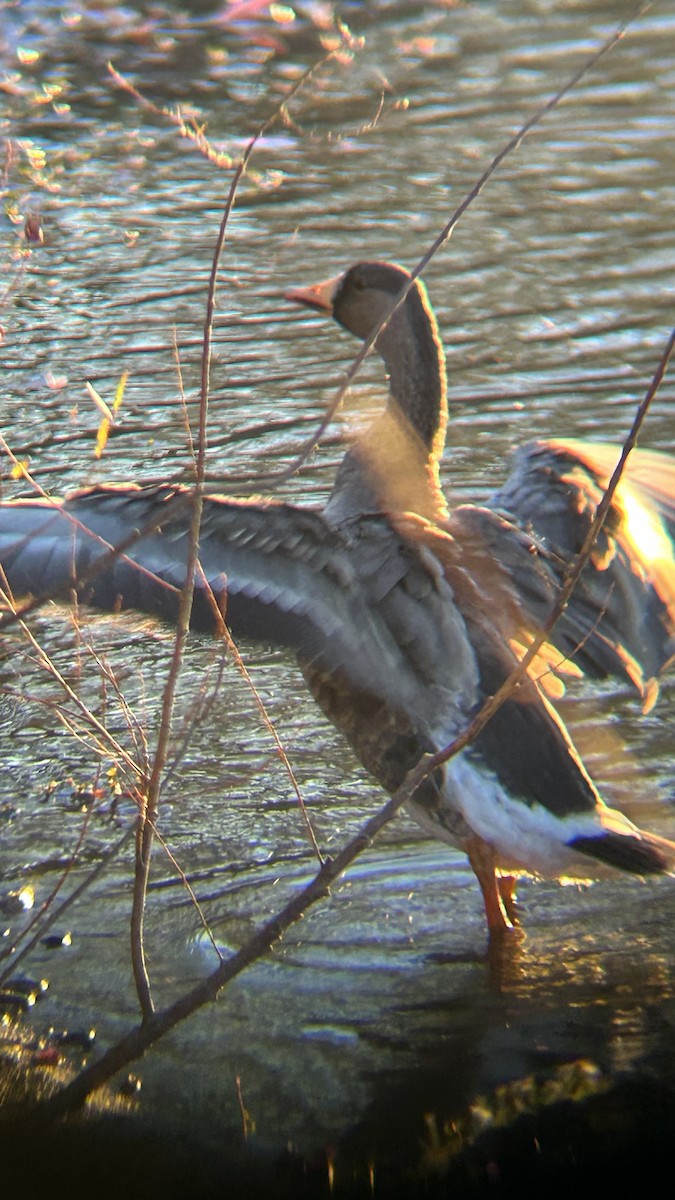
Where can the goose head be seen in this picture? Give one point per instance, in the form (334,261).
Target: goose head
(359,300)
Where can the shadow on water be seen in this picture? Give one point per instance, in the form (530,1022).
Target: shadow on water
(437,1081)
(374,1052)
(379,1043)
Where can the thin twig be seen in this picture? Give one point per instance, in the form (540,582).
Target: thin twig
(191,130)
(56,913)
(223,632)
(148,818)
(90,718)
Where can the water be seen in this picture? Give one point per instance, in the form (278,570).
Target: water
(555,298)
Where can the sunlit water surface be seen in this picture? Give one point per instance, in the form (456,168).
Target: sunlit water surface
(554,297)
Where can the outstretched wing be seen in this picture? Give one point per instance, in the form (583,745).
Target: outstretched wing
(278,573)
(621,618)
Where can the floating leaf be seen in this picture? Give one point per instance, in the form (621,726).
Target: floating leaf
(107,413)
(99,402)
(119,392)
(102,437)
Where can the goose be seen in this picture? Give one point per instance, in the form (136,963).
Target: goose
(404,616)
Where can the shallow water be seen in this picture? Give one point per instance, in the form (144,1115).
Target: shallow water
(555,298)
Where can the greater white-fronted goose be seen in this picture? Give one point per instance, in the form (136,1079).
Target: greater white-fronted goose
(403,618)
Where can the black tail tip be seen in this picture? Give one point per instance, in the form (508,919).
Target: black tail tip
(639,853)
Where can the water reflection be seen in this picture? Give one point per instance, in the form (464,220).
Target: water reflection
(377,1022)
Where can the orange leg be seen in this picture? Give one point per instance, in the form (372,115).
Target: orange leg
(507,885)
(482,859)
